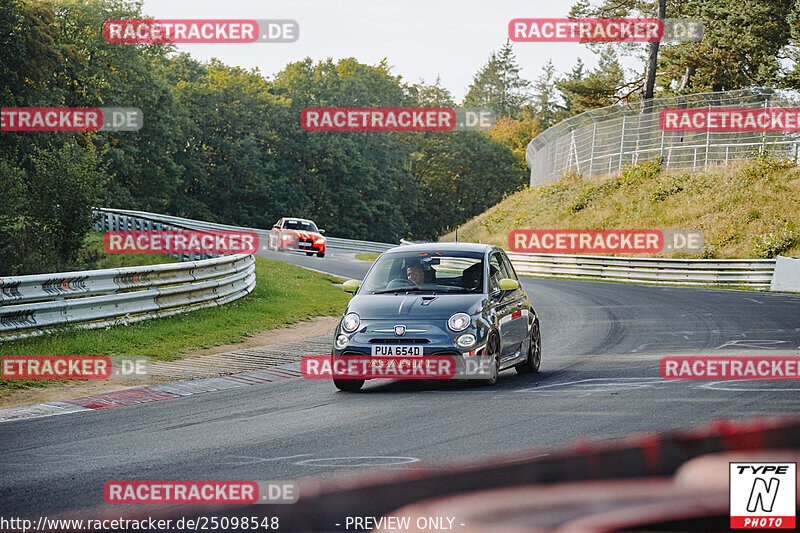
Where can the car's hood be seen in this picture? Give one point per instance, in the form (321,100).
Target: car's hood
(304,234)
(413,305)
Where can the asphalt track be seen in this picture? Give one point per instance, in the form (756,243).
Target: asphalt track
(599,380)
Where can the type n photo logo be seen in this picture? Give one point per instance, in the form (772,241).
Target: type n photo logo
(763,495)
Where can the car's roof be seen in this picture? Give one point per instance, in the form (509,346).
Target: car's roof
(445,247)
(299,219)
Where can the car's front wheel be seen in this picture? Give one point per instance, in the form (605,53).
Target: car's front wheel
(320,254)
(493,352)
(534,352)
(309,253)
(349,385)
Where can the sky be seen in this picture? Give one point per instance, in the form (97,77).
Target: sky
(421,39)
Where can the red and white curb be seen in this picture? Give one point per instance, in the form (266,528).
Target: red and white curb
(151,393)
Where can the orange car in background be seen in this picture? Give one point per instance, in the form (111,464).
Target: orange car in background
(297,234)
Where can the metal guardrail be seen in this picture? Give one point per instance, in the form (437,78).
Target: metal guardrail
(755,273)
(602,141)
(123,219)
(358,246)
(32,305)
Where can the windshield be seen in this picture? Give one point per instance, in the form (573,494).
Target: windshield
(426,271)
(302,225)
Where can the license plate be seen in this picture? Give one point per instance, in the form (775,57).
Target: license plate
(397,350)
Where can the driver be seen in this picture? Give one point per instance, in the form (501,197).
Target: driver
(415,274)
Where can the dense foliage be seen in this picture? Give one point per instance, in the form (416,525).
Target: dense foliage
(224,144)
(219,143)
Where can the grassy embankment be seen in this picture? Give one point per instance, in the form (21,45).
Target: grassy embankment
(745,210)
(284,294)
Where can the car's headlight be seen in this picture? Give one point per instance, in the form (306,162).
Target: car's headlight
(351,322)
(458,322)
(319,240)
(286,237)
(341,342)
(466,340)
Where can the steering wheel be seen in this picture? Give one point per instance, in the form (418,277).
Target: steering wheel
(399,283)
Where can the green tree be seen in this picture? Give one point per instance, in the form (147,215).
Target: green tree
(359,174)
(460,175)
(601,87)
(544,96)
(231,155)
(575,75)
(498,85)
(742,46)
(47,208)
(629,9)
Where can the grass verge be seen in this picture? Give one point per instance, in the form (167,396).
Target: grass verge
(367,257)
(284,294)
(747,209)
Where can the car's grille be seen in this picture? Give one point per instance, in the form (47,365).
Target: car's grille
(395,340)
(445,352)
(305,242)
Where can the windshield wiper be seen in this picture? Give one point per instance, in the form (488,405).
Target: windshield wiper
(461,289)
(405,289)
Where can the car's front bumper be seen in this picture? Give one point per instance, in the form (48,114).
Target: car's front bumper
(302,247)
(433,339)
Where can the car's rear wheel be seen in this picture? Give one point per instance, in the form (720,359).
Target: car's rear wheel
(534,352)
(349,385)
(493,351)
(320,254)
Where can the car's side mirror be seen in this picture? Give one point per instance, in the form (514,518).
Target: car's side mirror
(508,284)
(351,285)
(321,232)
(276,227)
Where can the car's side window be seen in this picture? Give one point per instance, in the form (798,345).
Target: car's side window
(495,272)
(509,268)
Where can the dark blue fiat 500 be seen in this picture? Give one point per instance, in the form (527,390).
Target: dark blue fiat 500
(453,299)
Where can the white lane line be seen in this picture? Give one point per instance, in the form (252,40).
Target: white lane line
(254,460)
(716,385)
(603,384)
(371,460)
(752,343)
